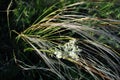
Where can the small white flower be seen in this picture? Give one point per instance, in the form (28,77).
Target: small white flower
(73,55)
(58,54)
(68,50)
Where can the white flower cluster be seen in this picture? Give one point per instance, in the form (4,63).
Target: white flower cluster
(68,50)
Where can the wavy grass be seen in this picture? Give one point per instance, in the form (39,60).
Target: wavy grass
(79,38)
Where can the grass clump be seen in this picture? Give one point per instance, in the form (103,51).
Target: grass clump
(53,39)
(67,41)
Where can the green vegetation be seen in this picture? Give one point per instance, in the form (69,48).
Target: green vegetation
(59,40)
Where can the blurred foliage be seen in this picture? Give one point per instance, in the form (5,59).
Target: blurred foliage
(27,12)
